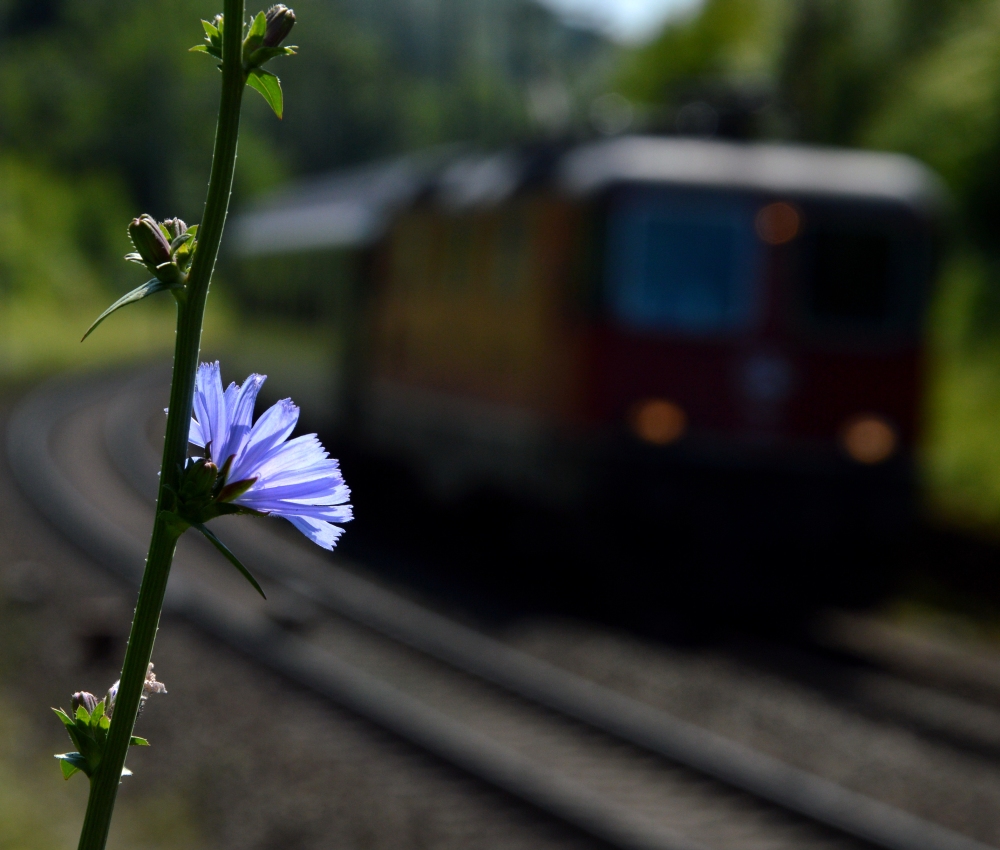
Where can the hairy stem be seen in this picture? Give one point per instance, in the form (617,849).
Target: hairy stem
(190,314)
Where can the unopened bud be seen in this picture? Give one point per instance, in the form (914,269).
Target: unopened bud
(280,20)
(149,241)
(86,699)
(109,700)
(176,226)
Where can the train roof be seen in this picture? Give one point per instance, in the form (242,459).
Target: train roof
(781,169)
(353,207)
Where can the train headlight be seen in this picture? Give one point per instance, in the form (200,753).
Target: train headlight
(778,223)
(658,421)
(869,439)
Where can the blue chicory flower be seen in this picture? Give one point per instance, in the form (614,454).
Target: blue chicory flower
(297,479)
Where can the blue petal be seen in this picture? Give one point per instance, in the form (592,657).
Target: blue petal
(320,491)
(210,406)
(294,457)
(329,513)
(271,429)
(195,435)
(239,408)
(319,532)
(232,391)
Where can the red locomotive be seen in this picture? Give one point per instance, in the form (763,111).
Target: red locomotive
(725,332)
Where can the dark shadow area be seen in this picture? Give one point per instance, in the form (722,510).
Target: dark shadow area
(697,573)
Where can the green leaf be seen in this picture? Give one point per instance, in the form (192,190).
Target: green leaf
(137,294)
(270,88)
(70,763)
(136,741)
(266,54)
(210,29)
(218,544)
(98,712)
(83,714)
(256,34)
(64,717)
(210,49)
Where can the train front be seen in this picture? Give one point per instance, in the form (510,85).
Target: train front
(756,354)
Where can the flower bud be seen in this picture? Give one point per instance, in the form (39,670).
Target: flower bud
(86,699)
(176,226)
(109,700)
(149,241)
(280,20)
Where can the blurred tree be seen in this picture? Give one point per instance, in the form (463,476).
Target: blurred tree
(104,92)
(918,76)
(815,70)
(107,85)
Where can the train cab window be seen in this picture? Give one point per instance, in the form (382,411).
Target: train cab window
(679,262)
(861,279)
(851,278)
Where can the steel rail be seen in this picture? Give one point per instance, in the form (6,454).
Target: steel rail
(356,599)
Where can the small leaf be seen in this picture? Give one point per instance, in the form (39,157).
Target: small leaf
(265,54)
(256,34)
(80,740)
(210,29)
(136,741)
(64,717)
(82,714)
(137,294)
(210,49)
(218,544)
(70,763)
(270,88)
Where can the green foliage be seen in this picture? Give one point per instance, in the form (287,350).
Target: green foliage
(732,41)
(830,68)
(55,234)
(269,87)
(89,732)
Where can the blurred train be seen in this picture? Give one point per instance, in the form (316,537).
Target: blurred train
(724,334)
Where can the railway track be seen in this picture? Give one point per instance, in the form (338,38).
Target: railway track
(614,767)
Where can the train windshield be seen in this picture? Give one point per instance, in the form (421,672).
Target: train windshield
(681,262)
(862,276)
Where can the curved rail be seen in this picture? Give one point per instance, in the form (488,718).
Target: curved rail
(353,598)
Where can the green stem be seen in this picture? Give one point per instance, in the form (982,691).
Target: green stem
(190,314)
